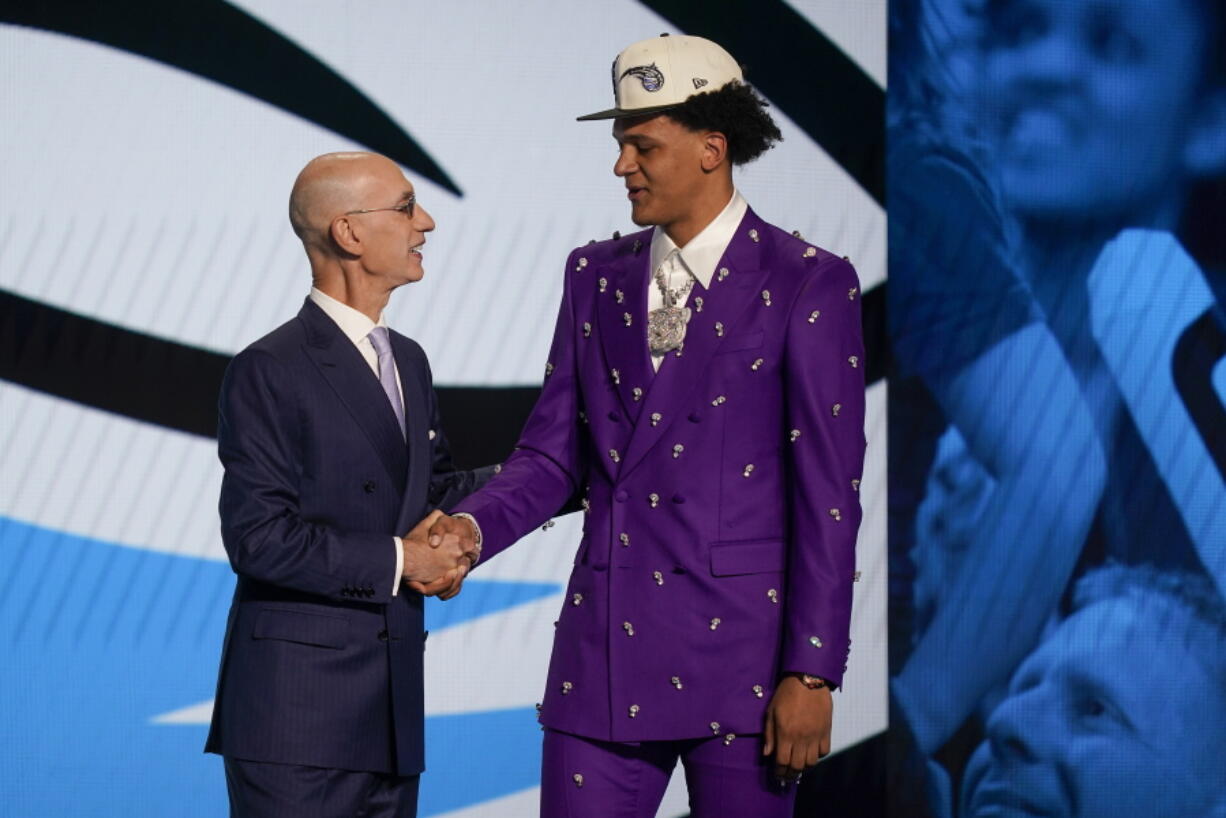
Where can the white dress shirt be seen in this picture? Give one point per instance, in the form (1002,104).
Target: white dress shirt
(696,260)
(356,326)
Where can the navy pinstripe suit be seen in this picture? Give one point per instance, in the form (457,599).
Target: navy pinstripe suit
(322,666)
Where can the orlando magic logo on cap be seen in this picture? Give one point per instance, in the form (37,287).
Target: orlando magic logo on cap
(662,72)
(649,75)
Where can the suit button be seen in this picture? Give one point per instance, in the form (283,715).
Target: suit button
(613,416)
(695,417)
(621,496)
(383,635)
(678,499)
(369,487)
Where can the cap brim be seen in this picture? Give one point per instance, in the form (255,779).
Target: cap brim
(618,113)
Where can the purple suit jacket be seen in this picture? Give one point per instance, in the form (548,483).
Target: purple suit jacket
(721,493)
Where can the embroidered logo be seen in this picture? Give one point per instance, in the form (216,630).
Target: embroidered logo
(699,82)
(649,75)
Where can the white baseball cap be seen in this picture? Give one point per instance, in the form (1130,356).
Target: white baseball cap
(663,72)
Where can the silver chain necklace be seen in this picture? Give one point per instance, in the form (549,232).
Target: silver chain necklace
(666,324)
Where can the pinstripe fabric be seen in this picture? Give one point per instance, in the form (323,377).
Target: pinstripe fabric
(318,653)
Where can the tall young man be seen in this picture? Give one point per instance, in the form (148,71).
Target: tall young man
(704,396)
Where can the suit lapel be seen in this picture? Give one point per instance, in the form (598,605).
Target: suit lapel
(625,344)
(350,377)
(417,430)
(723,303)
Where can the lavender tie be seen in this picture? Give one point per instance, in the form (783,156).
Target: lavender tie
(387,372)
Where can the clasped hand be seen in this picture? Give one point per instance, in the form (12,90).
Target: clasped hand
(436,565)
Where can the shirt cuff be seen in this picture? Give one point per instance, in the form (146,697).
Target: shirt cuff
(399,543)
(476,527)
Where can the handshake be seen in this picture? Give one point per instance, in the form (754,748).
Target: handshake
(438,554)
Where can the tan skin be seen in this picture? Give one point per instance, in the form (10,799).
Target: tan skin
(680,180)
(359,259)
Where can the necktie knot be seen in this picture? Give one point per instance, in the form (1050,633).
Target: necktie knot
(382,344)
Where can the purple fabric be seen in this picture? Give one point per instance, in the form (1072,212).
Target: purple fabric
(387,372)
(698,579)
(587,778)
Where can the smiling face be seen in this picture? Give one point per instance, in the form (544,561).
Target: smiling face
(1089,730)
(661,162)
(393,232)
(1093,103)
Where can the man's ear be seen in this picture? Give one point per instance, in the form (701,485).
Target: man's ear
(341,230)
(714,150)
(1204,154)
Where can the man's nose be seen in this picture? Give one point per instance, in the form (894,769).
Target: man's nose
(1021,728)
(422,219)
(625,165)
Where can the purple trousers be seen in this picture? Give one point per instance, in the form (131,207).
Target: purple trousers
(587,778)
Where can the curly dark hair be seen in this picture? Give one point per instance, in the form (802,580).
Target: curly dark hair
(738,113)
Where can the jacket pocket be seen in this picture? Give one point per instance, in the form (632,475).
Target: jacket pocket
(747,557)
(305,628)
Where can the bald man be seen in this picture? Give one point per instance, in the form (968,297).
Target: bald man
(330,438)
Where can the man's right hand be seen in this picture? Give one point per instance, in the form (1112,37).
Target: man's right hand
(433,571)
(448,532)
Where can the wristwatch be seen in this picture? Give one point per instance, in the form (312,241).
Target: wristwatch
(814,682)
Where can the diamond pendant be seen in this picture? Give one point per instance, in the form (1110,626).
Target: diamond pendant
(666,328)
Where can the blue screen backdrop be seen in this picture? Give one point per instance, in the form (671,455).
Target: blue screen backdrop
(1057,186)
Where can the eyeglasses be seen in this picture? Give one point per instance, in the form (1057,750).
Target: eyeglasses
(405,207)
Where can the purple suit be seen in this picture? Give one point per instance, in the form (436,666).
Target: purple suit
(720,493)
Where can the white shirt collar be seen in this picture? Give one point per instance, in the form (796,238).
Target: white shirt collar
(702,253)
(354,324)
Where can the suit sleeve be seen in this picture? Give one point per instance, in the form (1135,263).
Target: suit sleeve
(825,409)
(546,468)
(262,527)
(448,485)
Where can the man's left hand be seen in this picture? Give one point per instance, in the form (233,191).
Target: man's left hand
(446,586)
(797,727)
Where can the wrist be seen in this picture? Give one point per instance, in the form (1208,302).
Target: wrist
(413,562)
(475,529)
(812,682)
(407,565)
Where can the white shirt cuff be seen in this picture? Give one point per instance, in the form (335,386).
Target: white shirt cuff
(399,543)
